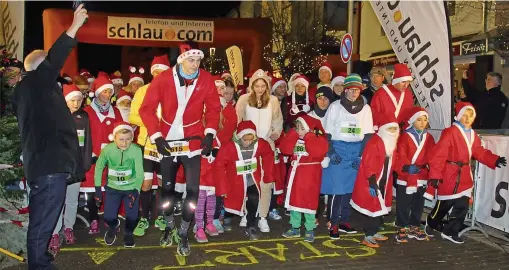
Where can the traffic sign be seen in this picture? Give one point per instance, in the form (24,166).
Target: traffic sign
(346,48)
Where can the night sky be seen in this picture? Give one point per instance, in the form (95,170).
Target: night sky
(34,29)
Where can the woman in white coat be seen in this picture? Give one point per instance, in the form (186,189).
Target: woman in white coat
(263,109)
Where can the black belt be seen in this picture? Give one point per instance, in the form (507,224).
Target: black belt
(458,177)
(186,139)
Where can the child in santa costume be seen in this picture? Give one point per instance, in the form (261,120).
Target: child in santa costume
(135,80)
(450,172)
(414,146)
(299,100)
(102,117)
(349,125)
(240,172)
(394,99)
(307,146)
(124,164)
(74,99)
(372,192)
(151,157)
(337,85)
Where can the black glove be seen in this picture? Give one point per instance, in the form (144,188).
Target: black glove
(98,196)
(214,152)
(132,198)
(94,159)
(162,146)
(501,162)
(206,144)
(434,182)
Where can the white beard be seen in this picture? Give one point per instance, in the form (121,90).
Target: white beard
(125,113)
(390,140)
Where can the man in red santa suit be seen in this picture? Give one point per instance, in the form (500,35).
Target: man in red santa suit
(451,174)
(372,192)
(102,115)
(186,94)
(395,98)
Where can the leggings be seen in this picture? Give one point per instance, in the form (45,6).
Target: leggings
(70,209)
(253,199)
(206,205)
(93,211)
(169,167)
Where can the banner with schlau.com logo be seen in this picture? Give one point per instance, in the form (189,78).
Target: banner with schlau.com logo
(418,33)
(160,29)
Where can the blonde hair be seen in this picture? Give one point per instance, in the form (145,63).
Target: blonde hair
(252,100)
(34,59)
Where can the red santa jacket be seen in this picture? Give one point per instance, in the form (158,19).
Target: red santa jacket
(373,159)
(279,167)
(410,152)
(229,183)
(450,162)
(181,108)
(229,123)
(387,100)
(208,163)
(101,126)
(305,176)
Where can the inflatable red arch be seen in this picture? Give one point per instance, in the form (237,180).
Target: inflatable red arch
(249,34)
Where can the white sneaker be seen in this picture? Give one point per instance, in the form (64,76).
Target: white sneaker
(263,225)
(243,222)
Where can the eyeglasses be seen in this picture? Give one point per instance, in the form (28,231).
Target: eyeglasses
(354,90)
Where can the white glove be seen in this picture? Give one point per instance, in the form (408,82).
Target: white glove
(325,162)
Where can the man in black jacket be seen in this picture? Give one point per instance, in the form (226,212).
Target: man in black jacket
(49,140)
(490,104)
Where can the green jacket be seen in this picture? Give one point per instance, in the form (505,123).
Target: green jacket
(125,168)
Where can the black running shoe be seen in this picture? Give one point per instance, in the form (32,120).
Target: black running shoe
(110,236)
(428,230)
(334,233)
(129,241)
(183,248)
(346,228)
(453,238)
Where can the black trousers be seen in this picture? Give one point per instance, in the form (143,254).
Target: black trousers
(253,198)
(409,207)
(371,225)
(46,199)
(93,211)
(169,169)
(219,207)
(456,218)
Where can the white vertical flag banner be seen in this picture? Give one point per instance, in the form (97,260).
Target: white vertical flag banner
(419,34)
(12,27)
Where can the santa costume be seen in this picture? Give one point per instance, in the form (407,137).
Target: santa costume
(372,192)
(305,174)
(180,133)
(349,125)
(390,100)
(298,103)
(240,172)
(411,166)
(449,169)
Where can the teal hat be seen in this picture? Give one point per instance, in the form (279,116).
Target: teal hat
(353,81)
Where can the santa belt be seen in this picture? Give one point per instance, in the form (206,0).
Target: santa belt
(304,163)
(186,139)
(458,163)
(188,125)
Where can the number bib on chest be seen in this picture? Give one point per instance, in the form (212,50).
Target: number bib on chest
(300,149)
(350,129)
(81,137)
(120,178)
(246,166)
(276,156)
(179,148)
(151,155)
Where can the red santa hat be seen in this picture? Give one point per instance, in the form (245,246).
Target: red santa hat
(259,74)
(116,78)
(100,84)
(102,73)
(309,123)
(86,74)
(305,81)
(461,108)
(401,74)
(415,113)
(291,86)
(387,121)
(327,67)
(123,95)
(189,49)
(71,91)
(246,127)
(160,62)
(118,127)
(249,75)
(276,82)
(67,77)
(136,76)
(340,78)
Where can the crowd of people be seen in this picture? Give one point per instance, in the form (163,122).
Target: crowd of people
(213,150)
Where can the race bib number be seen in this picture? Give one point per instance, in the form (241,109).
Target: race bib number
(81,137)
(179,148)
(246,166)
(151,155)
(350,129)
(119,178)
(276,156)
(300,149)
